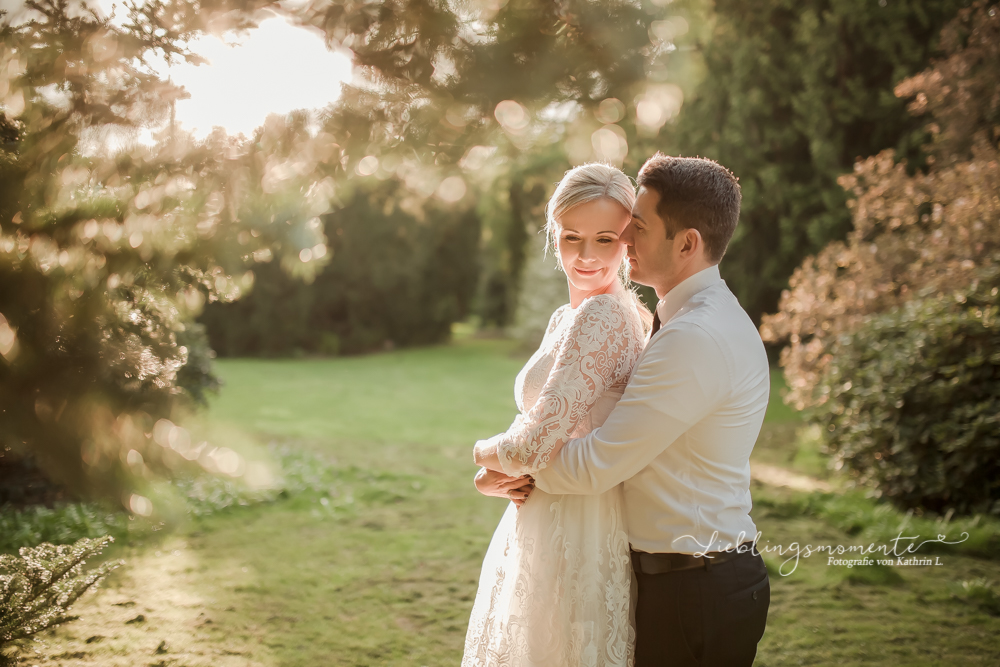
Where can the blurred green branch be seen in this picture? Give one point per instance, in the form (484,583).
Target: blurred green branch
(109,249)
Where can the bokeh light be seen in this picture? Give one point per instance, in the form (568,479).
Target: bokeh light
(512,116)
(140,505)
(368,165)
(452,189)
(610,144)
(611,110)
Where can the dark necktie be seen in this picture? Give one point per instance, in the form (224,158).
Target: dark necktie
(656,322)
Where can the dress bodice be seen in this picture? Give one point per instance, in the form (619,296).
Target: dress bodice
(573,380)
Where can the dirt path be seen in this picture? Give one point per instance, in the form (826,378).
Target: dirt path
(149,613)
(775,476)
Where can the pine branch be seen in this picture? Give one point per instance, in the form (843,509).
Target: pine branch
(38,588)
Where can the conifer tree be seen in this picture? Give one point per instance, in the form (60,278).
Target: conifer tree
(108,254)
(795,92)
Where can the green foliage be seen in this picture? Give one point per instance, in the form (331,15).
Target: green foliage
(504,265)
(300,472)
(893,333)
(38,587)
(873,575)
(794,93)
(62,524)
(874,521)
(913,402)
(107,256)
(980,592)
(393,278)
(195,377)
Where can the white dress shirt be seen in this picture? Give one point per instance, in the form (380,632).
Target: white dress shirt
(680,437)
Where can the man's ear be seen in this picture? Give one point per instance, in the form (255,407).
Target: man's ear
(691,242)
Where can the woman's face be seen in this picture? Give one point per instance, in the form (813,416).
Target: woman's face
(589,246)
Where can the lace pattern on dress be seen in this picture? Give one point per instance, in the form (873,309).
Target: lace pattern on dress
(591,355)
(556,580)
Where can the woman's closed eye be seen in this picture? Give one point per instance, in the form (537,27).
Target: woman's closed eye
(604,240)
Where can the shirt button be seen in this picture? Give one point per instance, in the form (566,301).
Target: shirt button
(755,595)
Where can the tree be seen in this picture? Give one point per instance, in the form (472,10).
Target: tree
(794,93)
(106,257)
(891,333)
(391,280)
(503,141)
(566,80)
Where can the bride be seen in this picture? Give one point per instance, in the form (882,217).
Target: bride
(555,584)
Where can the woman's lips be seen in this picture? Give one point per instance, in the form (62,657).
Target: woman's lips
(585,272)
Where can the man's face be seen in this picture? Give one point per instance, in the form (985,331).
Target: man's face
(650,252)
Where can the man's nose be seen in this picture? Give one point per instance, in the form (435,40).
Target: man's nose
(626,235)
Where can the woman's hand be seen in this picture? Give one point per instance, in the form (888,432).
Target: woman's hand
(496,484)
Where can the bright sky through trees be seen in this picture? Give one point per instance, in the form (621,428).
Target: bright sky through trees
(275,68)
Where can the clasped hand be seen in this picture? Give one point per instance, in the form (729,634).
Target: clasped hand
(493,483)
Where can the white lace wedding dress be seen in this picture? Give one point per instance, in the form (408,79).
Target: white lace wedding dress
(555,584)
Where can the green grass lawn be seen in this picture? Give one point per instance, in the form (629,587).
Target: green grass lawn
(354,578)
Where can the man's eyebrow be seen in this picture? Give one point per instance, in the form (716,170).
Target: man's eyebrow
(637,216)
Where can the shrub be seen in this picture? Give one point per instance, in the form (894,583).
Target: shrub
(913,402)
(38,587)
(926,232)
(915,235)
(893,333)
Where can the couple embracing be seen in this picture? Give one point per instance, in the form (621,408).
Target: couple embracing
(628,540)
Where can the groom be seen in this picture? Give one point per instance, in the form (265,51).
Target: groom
(680,437)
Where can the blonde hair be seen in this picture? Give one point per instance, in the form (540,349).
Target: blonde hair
(582,185)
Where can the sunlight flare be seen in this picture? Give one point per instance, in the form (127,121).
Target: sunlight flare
(276,67)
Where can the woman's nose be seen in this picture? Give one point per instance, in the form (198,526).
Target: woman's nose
(587,252)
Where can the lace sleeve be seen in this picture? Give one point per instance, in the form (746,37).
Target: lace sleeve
(596,352)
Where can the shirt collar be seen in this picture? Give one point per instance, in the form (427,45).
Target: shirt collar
(681,293)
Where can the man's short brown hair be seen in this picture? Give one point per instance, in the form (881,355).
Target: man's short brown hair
(695,193)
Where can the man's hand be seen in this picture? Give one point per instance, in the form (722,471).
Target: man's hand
(493,483)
